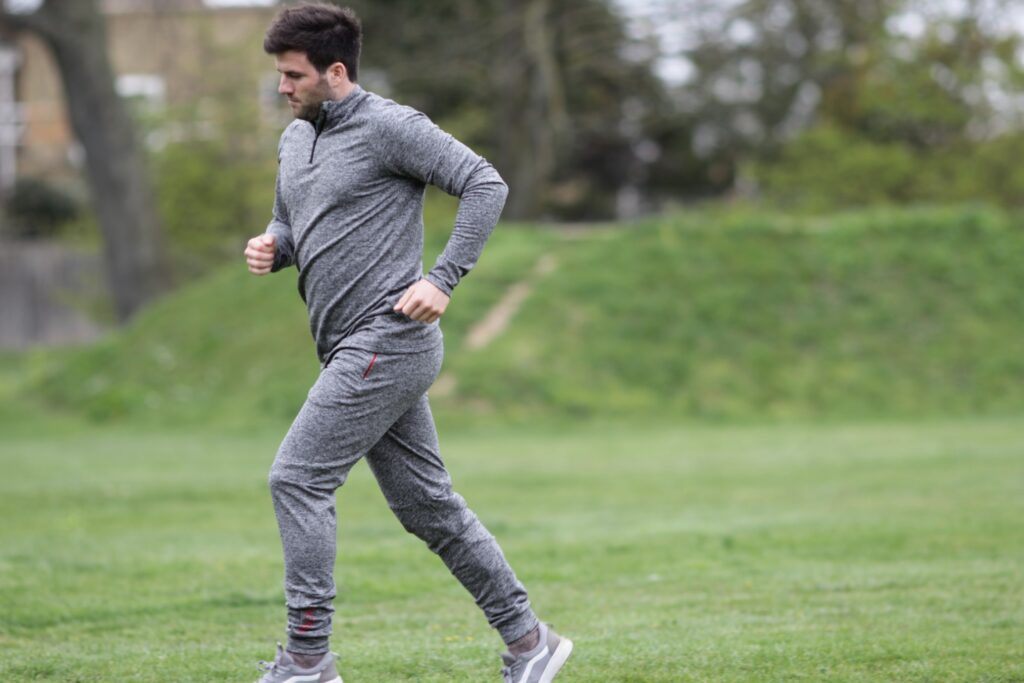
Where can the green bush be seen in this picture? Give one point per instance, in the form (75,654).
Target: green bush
(37,208)
(211,199)
(827,168)
(988,171)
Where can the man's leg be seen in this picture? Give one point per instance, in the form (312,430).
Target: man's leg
(407,464)
(351,405)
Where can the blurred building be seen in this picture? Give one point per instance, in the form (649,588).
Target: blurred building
(182,65)
(172,58)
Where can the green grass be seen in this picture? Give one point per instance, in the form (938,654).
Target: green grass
(878,552)
(722,315)
(729,315)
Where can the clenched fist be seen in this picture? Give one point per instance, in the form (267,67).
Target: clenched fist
(423,302)
(259,254)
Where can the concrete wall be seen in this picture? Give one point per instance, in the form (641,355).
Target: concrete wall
(43,289)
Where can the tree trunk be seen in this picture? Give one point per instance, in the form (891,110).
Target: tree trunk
(514,143)
(75,32)
(535,119)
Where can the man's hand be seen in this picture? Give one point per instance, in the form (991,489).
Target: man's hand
(423,302)
(259,254)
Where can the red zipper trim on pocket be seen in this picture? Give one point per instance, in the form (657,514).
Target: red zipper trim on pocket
(370,366)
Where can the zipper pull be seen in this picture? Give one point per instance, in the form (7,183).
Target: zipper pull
(318,127)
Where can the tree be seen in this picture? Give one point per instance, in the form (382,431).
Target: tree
(853,101)
(546,89)
(75,33)
(761,68)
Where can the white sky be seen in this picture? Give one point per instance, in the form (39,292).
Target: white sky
(22,6)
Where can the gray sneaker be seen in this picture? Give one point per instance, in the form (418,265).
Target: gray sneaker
(284,670)
(540,664)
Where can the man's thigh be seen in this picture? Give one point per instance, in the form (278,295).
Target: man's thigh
(353,403)
(406,460)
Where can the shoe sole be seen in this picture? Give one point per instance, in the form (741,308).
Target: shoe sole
(561,654)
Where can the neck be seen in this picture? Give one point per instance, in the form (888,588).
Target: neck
(342,91)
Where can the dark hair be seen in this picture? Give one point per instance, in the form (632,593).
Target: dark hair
(326,33)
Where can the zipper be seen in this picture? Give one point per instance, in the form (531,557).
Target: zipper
(318,127)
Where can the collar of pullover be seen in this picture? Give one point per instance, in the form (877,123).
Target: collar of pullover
(336,111)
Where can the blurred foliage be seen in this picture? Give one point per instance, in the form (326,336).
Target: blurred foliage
(812,104)
(828,167)
(214,154)
(837,103)
(211,201)
(723,315)
(37,208)
(555,92)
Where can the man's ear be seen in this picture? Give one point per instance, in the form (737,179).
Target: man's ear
(337,74)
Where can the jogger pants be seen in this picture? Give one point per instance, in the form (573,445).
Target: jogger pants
(374,405)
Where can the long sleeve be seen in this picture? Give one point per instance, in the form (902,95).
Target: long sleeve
(280,227)
(414,146)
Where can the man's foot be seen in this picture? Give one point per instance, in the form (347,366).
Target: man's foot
(284,670)
(540,664)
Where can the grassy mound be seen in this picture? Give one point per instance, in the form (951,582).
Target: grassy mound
(739,314)
(230,348)
(730,315)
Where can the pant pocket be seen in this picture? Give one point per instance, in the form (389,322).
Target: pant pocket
(369,366)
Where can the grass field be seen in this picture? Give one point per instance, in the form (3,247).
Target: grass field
(878,552)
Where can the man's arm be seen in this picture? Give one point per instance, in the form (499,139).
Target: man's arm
(481,198)
(415,147)
(275,248)
(280,228)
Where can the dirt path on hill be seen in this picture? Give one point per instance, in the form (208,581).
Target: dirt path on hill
(498,318)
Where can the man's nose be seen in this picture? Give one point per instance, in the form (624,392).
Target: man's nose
(284,87)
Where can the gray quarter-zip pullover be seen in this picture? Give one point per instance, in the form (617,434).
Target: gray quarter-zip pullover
(348,212)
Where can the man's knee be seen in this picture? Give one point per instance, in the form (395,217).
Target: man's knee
(284,480)
(435,521)
(305,481)
(279,483)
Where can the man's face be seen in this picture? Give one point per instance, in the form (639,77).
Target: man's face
(304,86)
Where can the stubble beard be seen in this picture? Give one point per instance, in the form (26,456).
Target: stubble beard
(310,111)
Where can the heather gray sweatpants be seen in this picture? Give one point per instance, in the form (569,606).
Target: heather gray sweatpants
(375,405)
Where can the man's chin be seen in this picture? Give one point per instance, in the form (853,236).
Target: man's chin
(307,113)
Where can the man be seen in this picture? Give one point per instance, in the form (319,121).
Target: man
(348,214)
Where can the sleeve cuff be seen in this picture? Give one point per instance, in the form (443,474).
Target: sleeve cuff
(438,282)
